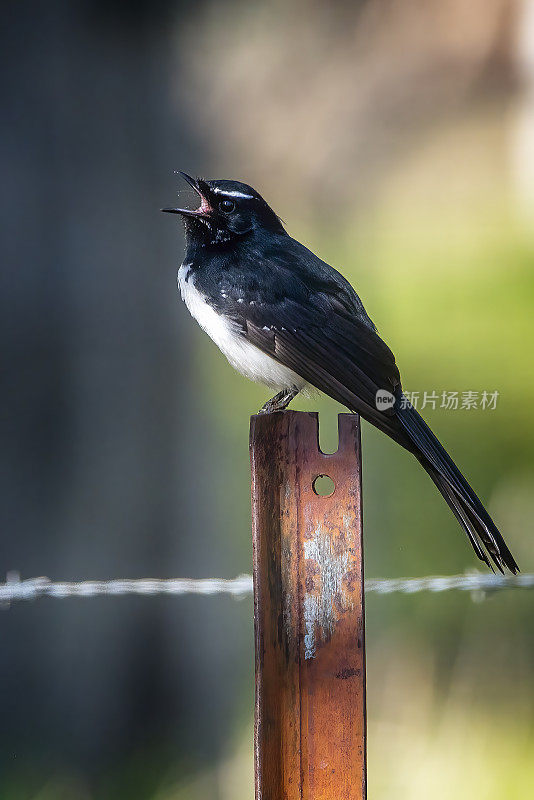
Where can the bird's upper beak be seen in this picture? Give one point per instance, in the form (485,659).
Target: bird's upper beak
(200,188)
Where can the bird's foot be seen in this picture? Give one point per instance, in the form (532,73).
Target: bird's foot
(279,402)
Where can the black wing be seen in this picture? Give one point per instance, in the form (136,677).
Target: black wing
(315,334)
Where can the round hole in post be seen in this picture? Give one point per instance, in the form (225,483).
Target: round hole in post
(323,486)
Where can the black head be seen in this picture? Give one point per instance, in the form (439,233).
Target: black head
(228,210)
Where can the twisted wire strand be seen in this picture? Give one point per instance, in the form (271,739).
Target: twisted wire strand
(15,589)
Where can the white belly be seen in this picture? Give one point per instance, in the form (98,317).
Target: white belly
(242,355)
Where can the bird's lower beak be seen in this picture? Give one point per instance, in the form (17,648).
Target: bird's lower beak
(204,208)
(185,212)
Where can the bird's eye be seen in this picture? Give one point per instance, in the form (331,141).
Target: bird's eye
(227,206)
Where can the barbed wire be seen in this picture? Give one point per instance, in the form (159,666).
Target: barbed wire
(15,589)
(470,582)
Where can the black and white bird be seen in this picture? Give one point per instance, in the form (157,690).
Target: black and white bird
(283,317)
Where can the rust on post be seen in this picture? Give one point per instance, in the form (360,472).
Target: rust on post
(310,724)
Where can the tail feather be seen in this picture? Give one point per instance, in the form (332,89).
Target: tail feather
(464,503)
(456,508)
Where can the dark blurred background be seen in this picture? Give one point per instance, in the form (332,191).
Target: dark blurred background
(397,140)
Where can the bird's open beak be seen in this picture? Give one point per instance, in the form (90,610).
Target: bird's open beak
(204,207)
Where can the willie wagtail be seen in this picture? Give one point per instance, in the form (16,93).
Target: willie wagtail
(283,317)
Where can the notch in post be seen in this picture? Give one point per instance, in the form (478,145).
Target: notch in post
(310,715)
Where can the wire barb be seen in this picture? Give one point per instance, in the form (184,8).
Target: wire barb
(15,589)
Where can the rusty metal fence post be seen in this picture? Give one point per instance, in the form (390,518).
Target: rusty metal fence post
(310,723)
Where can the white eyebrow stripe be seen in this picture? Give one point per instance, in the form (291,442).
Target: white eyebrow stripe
(233,194)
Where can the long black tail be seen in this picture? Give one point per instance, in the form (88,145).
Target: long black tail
(465,505)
